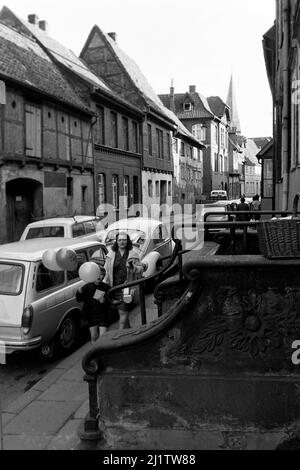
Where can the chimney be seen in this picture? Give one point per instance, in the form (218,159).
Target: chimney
(113,36)
(192,89)
(43,25)
(33,19)
(172,97)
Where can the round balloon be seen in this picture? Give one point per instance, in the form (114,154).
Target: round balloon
(49,261)
(89,272)
(67,259)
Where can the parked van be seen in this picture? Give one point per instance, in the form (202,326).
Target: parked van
(38,308)
(218,194)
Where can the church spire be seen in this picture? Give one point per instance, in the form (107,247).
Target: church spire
(231,102)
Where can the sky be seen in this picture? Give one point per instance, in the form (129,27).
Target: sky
(193,42)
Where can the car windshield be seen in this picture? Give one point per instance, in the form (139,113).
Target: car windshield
(11,277)
(137,236)
(46,231)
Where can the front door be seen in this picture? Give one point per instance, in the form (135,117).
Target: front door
(21,204)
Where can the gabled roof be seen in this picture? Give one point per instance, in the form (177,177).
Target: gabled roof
(218,107)
(133,71)
(201,105)
(261,141)
(24,61)
(267,151)
(251,152)
(61,53)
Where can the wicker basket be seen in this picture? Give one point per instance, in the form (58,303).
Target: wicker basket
(280,238)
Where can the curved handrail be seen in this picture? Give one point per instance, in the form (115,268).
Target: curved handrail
(117,340)
(143,280)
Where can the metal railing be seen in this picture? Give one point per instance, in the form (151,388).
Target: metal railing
(157,277)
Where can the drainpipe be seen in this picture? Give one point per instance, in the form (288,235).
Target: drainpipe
(93,122)
(285,108)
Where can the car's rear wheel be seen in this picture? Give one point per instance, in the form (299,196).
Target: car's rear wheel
(67,336)
(64,342)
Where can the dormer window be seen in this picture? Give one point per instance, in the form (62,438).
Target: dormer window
(187,107)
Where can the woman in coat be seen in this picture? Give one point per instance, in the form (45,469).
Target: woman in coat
(122,265)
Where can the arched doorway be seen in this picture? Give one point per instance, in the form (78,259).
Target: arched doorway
(24,198)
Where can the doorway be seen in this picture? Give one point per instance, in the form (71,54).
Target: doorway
(24,198)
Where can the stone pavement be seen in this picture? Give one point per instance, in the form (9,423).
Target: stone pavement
(47,417)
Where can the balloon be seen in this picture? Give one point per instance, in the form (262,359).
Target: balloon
(49,261)
(67,259)
(89,272)
(150,262)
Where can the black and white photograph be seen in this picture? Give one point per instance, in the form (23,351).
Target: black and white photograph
(149,228)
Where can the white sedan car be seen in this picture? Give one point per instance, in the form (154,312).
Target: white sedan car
(150,237)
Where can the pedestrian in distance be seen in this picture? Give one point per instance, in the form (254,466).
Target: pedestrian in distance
(95,305)
(243,207)
(255,206)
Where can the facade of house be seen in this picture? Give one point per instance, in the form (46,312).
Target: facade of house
(188,169)
(252,169)
(113,131)
(109,62)
(46,158)
(282,57)
(208,126)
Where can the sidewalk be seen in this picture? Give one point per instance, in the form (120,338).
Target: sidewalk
(47,417)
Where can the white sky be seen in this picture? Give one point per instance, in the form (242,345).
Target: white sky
(195,42)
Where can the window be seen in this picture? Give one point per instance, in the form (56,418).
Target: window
(125,134)
(169,188)
(160,143)
(99,128)
(182,150)
(113,130)
(83,193)
(150,188)
(115,191)
(126,191)
(169,146)
(187,106)
(11,279)
(89,227)
(199,155)
(268,178)
(82,258)
(45,232)
(199,132)
(157,192)
(135,141)
(150,139)
(216,163)
(175,145)
(46,279)
(191,152)
(136,197)
(69,186)
(101,188)
(221,164)
(78,230)
(33,139)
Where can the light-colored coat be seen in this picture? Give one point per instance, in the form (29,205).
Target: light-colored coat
(109,266)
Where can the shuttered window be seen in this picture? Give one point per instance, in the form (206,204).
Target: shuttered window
(33,131)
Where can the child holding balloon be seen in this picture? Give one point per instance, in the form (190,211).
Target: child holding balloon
(95,307)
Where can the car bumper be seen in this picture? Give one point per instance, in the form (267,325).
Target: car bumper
(10,345)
